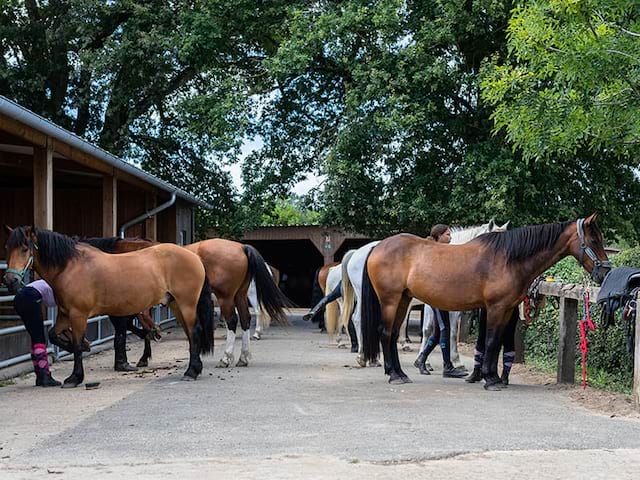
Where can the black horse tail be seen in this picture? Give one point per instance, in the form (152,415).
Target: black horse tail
(316,292)
(371,318)
(270,297)
(203,329)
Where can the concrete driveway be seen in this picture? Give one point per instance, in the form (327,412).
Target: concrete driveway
(301,410)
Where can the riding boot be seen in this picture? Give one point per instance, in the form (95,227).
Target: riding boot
(474,376)
(41,366)
(449,371)
(334,295)
(420,364)
(121,363)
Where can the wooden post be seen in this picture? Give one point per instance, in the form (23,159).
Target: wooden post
(151,224)
(567,346)
(465,324)
(43,186)
(109,206)
(636,361)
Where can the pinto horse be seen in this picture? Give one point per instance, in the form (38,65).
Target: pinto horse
(492,271)
(89,282)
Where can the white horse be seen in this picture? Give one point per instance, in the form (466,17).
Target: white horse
(334,320)
(352,282)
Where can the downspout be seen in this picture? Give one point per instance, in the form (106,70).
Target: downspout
(147,215)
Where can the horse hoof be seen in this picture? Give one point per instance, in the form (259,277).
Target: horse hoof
(361,361)
(71,382)
(256,336)
(396,381)
(493,387)
(222,364)
(243,362)
(188,378)
(407,348)
(375,363)
(406,380)
(142,363)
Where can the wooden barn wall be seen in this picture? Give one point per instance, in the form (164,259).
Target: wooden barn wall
(78,211)
(131,204)
(167,226)
(185,223)
(16,208)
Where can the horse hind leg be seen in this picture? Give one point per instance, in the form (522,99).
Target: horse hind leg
(245,324)
(495,328)
(231,319)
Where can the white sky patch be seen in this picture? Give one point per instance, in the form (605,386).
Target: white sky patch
(311,181)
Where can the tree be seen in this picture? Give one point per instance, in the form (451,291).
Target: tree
(573,82)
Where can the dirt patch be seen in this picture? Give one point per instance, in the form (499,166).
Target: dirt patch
(593,399)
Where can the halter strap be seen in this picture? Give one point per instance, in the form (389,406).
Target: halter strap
(23,272)
(586,249)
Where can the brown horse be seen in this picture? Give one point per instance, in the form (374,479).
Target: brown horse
(230,268)
(492,271)
(89,282)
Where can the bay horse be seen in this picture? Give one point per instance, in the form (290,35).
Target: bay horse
(352,274)
(89,282)
(492,271)
(230,267)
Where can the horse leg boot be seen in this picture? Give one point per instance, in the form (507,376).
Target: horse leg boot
(41,366)
(507,363)
(490,362)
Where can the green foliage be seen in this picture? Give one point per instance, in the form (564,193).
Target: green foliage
(291,211)
(609,363)
(573,78)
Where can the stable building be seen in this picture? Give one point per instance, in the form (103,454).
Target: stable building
(56,180)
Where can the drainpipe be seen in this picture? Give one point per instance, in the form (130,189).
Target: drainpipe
(147,215)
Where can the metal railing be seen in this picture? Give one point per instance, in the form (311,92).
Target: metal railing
(161,315)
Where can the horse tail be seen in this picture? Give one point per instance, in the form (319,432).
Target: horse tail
(331,319)
(348,294)
(270,297)
(316,292)
(371,318)
(203,328)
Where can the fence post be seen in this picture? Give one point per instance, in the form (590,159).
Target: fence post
(636,360)
(567,346)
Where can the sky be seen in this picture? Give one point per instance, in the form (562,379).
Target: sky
(251,145)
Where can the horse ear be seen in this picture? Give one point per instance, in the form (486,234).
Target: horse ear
(491,224)
(8,229)
(591,218)
(506,225)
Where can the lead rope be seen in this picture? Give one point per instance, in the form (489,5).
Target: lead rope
(584,344)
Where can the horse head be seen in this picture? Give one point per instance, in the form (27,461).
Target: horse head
(21,247)
(588,248)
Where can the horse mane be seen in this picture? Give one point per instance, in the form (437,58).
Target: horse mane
(524,242)
(106,244)
(54,249)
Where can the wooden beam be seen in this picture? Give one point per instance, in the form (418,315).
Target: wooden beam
(569,290)
(43,186)
(109,206)
(567,346)
(23,131)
